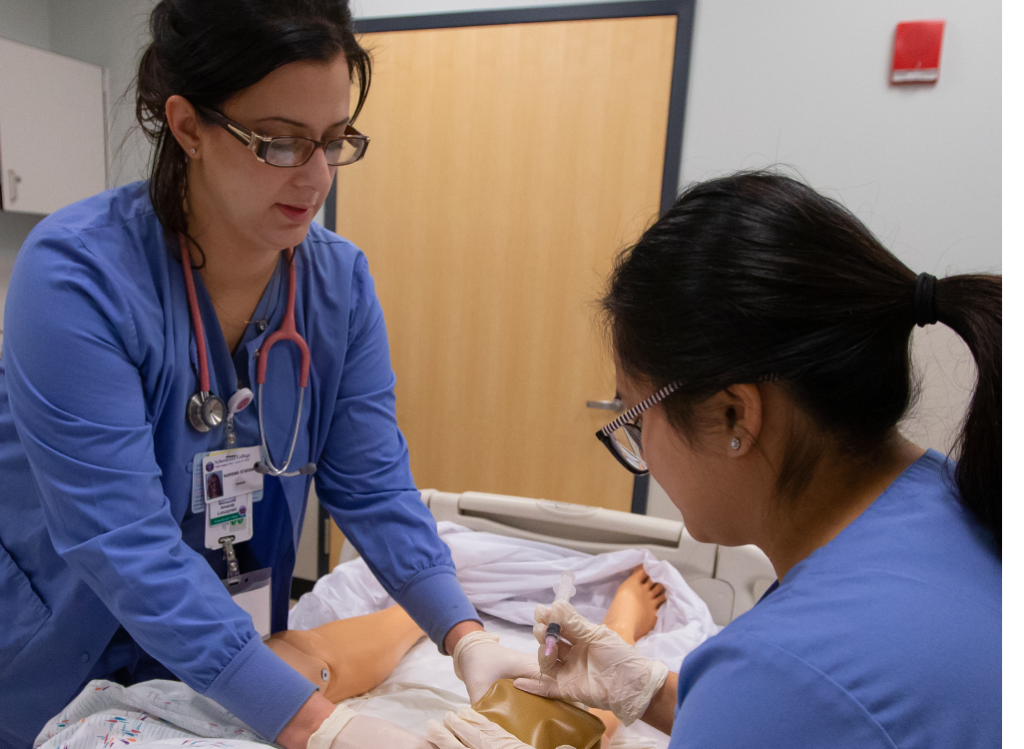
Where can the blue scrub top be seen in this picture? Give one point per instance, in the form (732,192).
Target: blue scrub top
(102,561)
(889,636)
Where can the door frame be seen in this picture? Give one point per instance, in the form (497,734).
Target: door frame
(683,10)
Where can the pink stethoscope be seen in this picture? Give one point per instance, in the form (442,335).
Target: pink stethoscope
(206,411)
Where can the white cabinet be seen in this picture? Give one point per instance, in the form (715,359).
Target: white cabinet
(52,139)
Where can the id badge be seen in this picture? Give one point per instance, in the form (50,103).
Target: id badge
(251,591)
(199,475)
(229,482)
(229,516)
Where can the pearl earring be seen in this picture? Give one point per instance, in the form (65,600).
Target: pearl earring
(735,444)
(193,152)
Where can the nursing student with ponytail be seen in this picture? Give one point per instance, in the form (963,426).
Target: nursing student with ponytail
(762,344)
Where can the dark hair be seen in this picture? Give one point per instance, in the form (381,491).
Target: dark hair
(755,276)
(209,50)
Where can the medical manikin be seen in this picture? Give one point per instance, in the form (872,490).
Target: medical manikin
(348,657)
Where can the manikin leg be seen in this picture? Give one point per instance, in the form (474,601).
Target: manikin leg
(354,654)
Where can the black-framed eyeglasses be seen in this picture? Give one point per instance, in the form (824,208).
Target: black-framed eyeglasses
(622,436)
(293,150)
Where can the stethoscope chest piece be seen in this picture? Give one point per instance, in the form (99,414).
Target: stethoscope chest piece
(205,411)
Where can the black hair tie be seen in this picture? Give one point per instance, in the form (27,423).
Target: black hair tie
(925,312)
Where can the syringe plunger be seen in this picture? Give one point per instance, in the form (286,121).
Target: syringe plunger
(563,592)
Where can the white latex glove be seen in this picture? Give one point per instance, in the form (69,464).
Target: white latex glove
(480,661)
(596,667)
(470,729)
(347,729)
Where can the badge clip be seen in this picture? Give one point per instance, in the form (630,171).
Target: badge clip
(234,575)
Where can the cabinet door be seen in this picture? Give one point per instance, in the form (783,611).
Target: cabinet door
(51,129)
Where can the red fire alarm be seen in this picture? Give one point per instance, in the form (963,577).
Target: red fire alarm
(915,57)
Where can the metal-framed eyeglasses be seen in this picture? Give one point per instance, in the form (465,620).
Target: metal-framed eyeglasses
(293,150)
(622,436)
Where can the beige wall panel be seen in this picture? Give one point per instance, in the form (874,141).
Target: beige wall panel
(508,165)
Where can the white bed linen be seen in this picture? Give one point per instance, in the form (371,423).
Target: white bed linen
(508,577)
(505,578)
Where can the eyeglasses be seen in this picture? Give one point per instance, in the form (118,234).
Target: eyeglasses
(290,150)
(622,436)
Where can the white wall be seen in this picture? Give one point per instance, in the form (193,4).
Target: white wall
(803,82)
(1012,80)
(26,21)
(111,34)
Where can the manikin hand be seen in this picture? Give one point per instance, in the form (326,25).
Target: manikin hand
(596,666)
(470,729)
(347,729)
(480,661)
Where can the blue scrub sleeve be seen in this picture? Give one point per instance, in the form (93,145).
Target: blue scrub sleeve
(73,359)
(364,481)
(743,692)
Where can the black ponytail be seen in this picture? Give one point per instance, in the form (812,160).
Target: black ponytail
(972,305)
(756,276)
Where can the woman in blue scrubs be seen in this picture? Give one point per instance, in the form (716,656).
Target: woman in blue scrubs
(105,566)
(762,338)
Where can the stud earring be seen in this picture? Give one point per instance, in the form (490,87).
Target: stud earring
(735,444)
(193,152)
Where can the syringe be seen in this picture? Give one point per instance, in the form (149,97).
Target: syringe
(563,592)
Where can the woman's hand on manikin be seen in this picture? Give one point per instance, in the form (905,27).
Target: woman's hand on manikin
(480,661)
(319,724)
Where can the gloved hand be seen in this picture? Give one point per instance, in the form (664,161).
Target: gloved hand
(470,729)
(347,729)
(480,661)
(596,667)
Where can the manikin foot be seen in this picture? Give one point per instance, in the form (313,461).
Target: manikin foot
(634,610)
(633,614)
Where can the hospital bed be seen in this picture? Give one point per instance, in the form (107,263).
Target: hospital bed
(729,579)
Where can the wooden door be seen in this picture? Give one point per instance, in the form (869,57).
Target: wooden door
(507,166)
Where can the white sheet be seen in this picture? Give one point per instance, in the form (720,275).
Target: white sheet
(508,577)
(505,578)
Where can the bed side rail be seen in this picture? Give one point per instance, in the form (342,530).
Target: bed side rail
(730,580)
(594,530)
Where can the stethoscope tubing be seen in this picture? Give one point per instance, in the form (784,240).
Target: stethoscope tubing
(287,332)
(268,462)
(197,320)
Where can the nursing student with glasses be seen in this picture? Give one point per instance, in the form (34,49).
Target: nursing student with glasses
(182,358)
(761,339)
